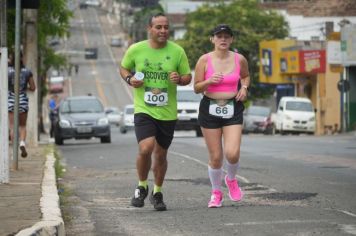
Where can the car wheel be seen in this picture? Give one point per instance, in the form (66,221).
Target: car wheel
(271,130)
(123,130)
(58,140)
(106,139)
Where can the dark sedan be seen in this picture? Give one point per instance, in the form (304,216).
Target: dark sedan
(82,117)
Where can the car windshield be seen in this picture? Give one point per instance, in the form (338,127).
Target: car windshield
(130,110)
(258,111)
(188,96)
(82,106)
(115,112)
(299,106)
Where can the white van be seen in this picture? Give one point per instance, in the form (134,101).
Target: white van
(295,114)
(187,109)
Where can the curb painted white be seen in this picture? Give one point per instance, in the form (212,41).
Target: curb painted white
(52,223)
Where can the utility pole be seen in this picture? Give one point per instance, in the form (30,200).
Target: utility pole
(31,61)
(4,126)
(15,141)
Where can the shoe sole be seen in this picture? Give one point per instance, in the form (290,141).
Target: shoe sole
(23,152)
(216,206)
(232,199)
(137,205)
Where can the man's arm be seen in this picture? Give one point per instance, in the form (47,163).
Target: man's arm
(128,77)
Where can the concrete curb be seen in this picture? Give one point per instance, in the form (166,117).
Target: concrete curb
(52,222)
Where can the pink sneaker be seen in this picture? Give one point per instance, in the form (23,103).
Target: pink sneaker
(216,199)
(235,192)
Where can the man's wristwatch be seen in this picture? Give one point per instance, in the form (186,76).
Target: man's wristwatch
(127,79)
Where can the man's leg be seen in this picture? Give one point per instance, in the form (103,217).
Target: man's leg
(159,171)
(143,161)
(159,164)
(143,165)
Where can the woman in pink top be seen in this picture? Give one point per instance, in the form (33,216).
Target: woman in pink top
(223,77)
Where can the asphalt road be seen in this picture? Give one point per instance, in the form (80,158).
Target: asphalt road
(294,185)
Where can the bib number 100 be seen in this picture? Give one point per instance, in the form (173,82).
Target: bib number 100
(154,98)
(159,99)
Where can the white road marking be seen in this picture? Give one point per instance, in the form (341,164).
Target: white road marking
(351,229)
(245,180)
(23,183)
(346,212)
(276,222)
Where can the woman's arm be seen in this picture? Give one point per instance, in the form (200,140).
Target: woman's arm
(32,85)
(200,85)
(244,73)
(245,79)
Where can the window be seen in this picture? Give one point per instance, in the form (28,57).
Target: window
(299,106)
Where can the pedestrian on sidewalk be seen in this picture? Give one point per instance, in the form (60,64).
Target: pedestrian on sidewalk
(76,67)
(26,83)
(160,66)
(223,77)
(53,104)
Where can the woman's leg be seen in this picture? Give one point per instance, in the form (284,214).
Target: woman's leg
(22,131)
(11,126)
(232,142)
(22,123)
(214,144)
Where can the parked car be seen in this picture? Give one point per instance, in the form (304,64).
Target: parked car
(93,3)
(113,115)
(82,117)
(295,114)
(56,84)
(127,119)
(116,42)
(188,108)
(257,119)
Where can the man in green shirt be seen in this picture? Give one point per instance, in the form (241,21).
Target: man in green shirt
(154,67)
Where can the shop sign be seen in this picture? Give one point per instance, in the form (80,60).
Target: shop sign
(312,61)
(266,62)
(348,45)
(334,52)
(289,62)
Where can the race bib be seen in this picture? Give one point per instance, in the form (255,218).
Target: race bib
(221,108)
(156,96)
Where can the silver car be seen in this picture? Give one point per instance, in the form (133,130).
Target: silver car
(127,119)
(257,119)
(82,117)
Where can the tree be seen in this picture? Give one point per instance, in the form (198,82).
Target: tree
(251,24)
(53,21)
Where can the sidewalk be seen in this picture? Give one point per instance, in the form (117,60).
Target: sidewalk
(29,204)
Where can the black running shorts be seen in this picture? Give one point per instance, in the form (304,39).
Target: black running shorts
(209,121)
(147,126)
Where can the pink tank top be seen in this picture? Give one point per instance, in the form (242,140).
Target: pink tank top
(230,81)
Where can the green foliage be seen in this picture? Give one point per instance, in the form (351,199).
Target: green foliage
(250,23)
(53,21)
(141,19)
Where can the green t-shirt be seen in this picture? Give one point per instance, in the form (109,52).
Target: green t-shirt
(158,96)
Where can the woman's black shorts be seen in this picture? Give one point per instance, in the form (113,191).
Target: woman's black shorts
(209,121)
(147,126)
